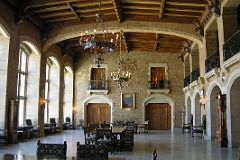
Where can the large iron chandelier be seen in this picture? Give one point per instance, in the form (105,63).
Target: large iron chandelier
(97,40)
(123,74)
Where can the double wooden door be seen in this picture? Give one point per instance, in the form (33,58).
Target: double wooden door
(159,116)
(98,113)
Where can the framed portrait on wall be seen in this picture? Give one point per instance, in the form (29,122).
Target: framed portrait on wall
(128,100)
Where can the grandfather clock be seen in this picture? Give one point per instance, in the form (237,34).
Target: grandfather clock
(221,133)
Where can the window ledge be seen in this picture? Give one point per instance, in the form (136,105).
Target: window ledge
(166,91)
(104,91)
(231,61)
(211,73)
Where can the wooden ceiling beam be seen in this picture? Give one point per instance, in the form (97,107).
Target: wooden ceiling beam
(95,9)
(50,9)
(183,10)
(117,8)
(74,12)
(141,13)
(77,3)
(162,6)
(141,2)
(57,14)
(195,4)
(181,15)
(66,15)
(140,7)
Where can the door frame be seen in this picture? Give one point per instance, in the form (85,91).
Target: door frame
(96,99)
(160,99)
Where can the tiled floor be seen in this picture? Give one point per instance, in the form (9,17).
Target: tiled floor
(170,146)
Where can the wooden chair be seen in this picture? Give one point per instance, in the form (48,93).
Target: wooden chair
(91,151)
(35,130)
(127,140)
(47,150)
(186,128)
(89,134)
(197,131)
(3,136)
(104,137)
(155,154)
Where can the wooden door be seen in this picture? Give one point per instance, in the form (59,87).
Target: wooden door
(98,113)
(159,116)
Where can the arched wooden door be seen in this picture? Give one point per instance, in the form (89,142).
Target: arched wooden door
(159,116)
(98,113)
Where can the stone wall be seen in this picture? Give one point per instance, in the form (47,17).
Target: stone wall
(139,83)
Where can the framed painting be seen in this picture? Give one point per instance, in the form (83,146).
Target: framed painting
(128,101)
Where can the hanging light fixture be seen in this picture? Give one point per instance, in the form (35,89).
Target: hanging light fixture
(97,40)
(123,75)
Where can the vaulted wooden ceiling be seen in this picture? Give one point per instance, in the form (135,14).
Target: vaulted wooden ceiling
(57,13)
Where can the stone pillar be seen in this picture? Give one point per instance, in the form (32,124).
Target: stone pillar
(221,133)
(220,38)
(202,58)
(61,94)
(41,106)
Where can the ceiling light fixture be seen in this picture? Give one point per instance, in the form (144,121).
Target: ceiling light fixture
(97,40)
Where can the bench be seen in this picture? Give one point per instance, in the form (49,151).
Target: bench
(91,151)
(47,150)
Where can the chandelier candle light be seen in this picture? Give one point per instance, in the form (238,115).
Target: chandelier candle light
(121,76)
(97,40)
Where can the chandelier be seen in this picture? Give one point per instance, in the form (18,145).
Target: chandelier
(123,74)
(98,43)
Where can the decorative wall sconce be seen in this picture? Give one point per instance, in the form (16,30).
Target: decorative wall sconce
(199,29)
(214,8)
(203,99)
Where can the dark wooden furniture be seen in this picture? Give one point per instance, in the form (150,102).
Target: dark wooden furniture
(155,154)
(3,136)
(186,128)
(89,134)
(127,140)
(198,131)
(92,151)
(34,131)
(47,150)
(104,137)
(68,124)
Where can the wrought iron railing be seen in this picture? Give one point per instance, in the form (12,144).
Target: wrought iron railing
(98,85)
(212,61)
(195,74)
(162,84)
(231,46)
(187,80)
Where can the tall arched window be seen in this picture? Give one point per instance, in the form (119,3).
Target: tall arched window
(4,51)
(28,82)
(21,86)
(68,93)
(52,87)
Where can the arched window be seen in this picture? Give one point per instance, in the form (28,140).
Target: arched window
(21,86)
(68,93)
(28,83)
(4,51)
(52,87)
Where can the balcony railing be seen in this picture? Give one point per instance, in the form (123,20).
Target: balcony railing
(231,46)
(98,85)
(163,84)
(212,61)
(195,74)
(187,81)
